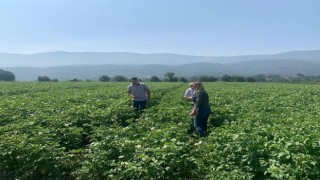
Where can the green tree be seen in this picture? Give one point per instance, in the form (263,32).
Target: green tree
(226,78)
(251,79)
(154,79)
(261,78)
(75,80)
(43,79)
(300,75)
(169,77)
(120,78)
(183,79)
(6,76)
(104,78)
(205,78)
(212,79)
(238,79)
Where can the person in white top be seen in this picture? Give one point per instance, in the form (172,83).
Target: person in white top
(139,93)
(189,92)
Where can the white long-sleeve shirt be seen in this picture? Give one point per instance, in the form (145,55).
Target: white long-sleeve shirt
(189,93)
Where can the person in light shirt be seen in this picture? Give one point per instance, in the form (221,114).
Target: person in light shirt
(189,92)
(140,94)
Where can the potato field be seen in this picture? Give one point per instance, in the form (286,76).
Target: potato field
(87,130)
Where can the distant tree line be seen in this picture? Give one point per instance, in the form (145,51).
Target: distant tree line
(171,77)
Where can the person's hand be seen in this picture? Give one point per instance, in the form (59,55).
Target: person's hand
(132,96)
(192,113)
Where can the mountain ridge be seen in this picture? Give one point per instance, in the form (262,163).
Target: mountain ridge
(92,65)
(61,58)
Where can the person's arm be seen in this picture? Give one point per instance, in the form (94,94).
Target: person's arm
(185,94)
(188,95)
(196,105)
(130,92)
(131,95)
(194,111)
(148,93)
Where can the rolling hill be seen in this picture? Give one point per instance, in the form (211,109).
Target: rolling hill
(91,65)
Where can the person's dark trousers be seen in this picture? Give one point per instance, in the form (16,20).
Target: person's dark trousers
(139,106)
(201,121)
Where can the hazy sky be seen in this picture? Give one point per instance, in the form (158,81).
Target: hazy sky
(191,27)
